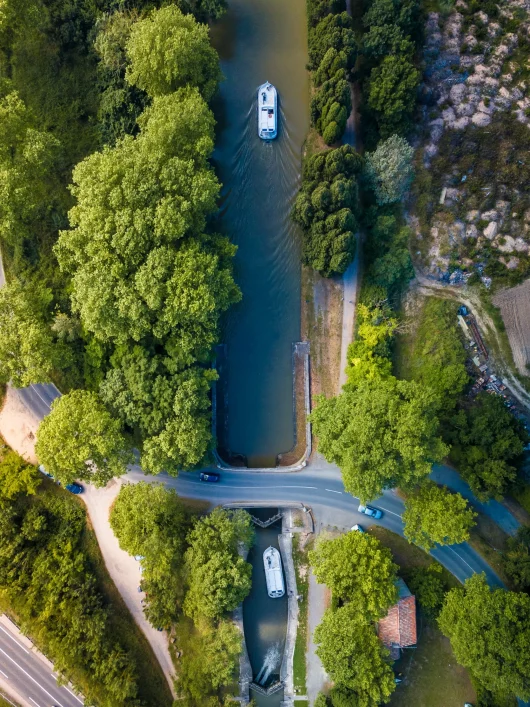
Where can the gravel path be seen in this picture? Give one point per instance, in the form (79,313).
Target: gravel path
(350,279)
(316,675)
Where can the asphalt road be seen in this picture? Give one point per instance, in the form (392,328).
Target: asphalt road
(30,676)
(38,397)
(319,487)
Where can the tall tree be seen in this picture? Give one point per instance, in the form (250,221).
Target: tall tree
(489,630)
(79,439)
(219,579)
(389,169)
(168,50)
(384,433)
(357,568)
(435,515)
(17,476)
(353,656)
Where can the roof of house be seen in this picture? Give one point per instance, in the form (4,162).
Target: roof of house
(398,628)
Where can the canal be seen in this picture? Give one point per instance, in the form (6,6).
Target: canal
(258,41)
(264,619)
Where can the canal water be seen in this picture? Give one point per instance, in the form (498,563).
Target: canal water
(258,41)
(265,619)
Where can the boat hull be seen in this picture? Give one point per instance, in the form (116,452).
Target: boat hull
(267,111)
(272,563)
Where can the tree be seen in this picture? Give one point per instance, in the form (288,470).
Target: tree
(209,659)
(17,476)
(428,587)
(28,350)
(27,157)
(79,439)
(392,92)
(218,578)
(353,656)
(382,434)
(489,632)
(334,31)
(486,438)
(168,50)
(389,169)
(516,559)
(395,266)
(358,569)
(149,520)
(435,515)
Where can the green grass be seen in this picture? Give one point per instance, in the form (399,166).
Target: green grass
(301,565)
(490,541)
(522,496)
(7,703)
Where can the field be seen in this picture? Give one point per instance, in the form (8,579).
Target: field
(514,304)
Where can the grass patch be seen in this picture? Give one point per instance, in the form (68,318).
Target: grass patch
(409,556)
(6,702)
(301,565)
(490,541)
(522,496)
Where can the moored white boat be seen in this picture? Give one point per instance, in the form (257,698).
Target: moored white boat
(273,573)
(267,111)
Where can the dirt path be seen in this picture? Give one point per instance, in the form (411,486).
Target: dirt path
(318,601)
(18,425)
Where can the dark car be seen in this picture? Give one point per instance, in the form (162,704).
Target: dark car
(74,488)
(210,476)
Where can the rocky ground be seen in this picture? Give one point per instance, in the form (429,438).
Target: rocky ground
(471,213)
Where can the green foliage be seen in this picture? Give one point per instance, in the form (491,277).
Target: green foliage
(332,56)
(209,660)
(353,656)
(489,632)
(486,441)
(325,208)
(516,559)
(79,439)
(438,355)
(369,355)
(382,434)
(169,50)
(357,569)
(47,578)
(435,515)
(149,520)
(321,700)
(389,169)
(219,579)
(17,476)
(28,351)
(428,587)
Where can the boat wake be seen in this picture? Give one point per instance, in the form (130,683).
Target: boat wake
(271,662)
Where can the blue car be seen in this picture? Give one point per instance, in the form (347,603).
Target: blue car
(74,488)
(210,476)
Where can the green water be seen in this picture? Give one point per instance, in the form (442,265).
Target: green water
(258,41)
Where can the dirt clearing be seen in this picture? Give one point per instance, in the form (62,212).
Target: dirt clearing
(514,304)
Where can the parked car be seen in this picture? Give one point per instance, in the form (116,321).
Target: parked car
(74,488)
(43,471)
(370,511)
(357,527)
(210,476)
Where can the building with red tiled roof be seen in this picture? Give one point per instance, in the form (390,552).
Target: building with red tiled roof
(398,629)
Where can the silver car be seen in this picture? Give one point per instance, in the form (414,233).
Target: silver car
(370,511)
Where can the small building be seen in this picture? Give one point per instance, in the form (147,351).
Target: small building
(398,629)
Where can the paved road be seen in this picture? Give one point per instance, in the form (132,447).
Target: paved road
(38,397)
(350,281)
(30,676)
(321,488)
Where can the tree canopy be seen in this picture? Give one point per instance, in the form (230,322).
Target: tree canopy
(218,577)
(169,50)
(435,515)
(489,630)
(487,440)
(516,559)
(353,656)
(357,568)
(326,209)
(382,434)
(389,169)
(79,439)
(17,476)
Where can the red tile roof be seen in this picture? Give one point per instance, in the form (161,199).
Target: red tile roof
(398,628)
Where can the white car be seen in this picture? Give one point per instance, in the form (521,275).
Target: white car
(357,527)
(370,511)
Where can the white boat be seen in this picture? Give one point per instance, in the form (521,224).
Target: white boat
(267,111)
(273,573)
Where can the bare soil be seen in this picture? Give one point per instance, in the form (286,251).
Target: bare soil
(514,304)
(18,426)
(322,327)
